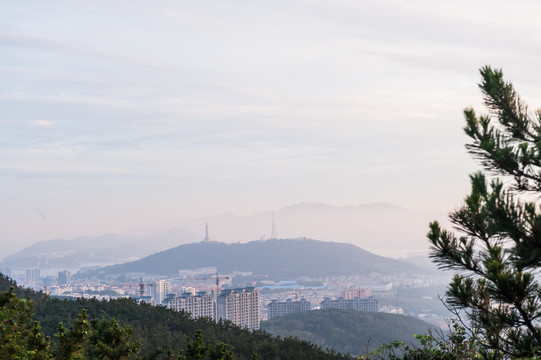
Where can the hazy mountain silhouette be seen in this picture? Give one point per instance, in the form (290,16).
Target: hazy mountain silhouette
(381,228)
(378,227)
(97,250)
(277,258)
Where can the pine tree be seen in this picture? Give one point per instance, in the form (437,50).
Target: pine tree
(20,336)
(71,343)
(497,248)
(109,341)
(198,350)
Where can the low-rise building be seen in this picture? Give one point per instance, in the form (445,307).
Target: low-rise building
(361,304)
(280,308)
(353,293)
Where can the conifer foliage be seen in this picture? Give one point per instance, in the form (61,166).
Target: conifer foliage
(496,249)
(128,330)
(20,336)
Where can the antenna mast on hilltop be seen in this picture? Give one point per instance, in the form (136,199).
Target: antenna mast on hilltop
(207,232)
(273,231)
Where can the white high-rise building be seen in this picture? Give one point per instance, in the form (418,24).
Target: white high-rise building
(33,275)
(240,306)
(159,290)
(200,305)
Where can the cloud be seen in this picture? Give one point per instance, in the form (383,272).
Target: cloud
(172,98)
(42,123)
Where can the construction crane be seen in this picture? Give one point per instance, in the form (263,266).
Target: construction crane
(296,293)
(142,287)
(218,279)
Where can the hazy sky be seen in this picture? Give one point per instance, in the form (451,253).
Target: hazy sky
(116,114)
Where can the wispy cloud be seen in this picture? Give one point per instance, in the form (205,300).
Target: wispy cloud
(42,123)
(177,106)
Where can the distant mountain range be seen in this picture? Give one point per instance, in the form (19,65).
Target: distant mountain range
(379,227)
(96,250)
(382,228)
(276,258)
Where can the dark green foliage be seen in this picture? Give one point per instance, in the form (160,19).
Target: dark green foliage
(163,333)
(71,343)
(7,283)
(346,331)
(498,249)
(417,300)
(198,350)
(457,344)
(20,336)
(110,341)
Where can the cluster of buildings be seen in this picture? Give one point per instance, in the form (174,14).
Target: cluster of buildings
(359,300)
(32,275)
(240,306)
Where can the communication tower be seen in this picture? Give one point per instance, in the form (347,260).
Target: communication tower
(273,231)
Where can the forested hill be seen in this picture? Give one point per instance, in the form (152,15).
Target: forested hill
(278,258)
(347,331)
(158,327)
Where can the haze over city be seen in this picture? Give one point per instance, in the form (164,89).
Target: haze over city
(118,115)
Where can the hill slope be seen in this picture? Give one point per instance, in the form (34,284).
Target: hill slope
(158,327)
(347,331)
(278,258)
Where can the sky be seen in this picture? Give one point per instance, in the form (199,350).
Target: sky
(119,114)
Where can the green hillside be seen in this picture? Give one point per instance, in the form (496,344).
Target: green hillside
(158,327)
(278,258)
(347,331)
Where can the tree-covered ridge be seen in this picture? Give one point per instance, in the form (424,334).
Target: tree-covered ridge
(21,337)
(277,258)
(347,331)
(159,328)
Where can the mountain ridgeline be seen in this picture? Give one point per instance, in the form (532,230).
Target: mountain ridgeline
(277,258)
(366,226)
(96,250)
